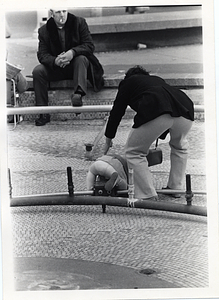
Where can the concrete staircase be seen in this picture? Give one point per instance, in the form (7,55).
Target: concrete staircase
(60,95)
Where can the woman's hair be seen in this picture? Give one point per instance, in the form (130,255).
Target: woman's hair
(136,70)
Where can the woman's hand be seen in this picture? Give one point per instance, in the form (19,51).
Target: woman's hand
(108,144)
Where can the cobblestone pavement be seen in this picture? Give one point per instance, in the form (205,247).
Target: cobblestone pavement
(173,245)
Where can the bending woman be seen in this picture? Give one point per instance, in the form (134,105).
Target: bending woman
(160,109)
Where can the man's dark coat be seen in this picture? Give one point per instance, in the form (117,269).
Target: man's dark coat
(77,38)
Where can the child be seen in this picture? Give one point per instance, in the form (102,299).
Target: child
(113,168)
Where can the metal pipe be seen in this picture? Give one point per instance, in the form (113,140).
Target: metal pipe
(105,200)
(169,191)
(70,109)
(61,194)
(119,192)
(57,109)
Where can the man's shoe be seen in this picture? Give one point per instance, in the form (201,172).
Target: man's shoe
(43,119)
(76,100)
(109,185)
(172,195)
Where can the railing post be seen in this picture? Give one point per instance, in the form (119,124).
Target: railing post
(70,182)
(189,193)
(9,182)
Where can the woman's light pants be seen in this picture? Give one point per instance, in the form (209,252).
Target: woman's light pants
(137,147)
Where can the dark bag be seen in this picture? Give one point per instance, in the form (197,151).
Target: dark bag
(155,156)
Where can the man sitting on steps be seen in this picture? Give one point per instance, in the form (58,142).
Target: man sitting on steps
(65,51)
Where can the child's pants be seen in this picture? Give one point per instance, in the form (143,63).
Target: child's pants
(104,169)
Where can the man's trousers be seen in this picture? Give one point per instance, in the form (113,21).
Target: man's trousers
(76,70)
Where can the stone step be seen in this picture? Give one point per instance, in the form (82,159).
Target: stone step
(156,29)
(153,29)
(60,95)
(145,22)
(181,80)
(103,97)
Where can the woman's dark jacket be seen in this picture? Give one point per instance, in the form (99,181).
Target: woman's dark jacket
(150,97)
(77,38)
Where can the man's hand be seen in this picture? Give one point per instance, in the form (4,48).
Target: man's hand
(67,56)
(107,145)
(63,59)
(58,62)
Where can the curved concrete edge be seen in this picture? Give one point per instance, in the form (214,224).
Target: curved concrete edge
(42,273)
